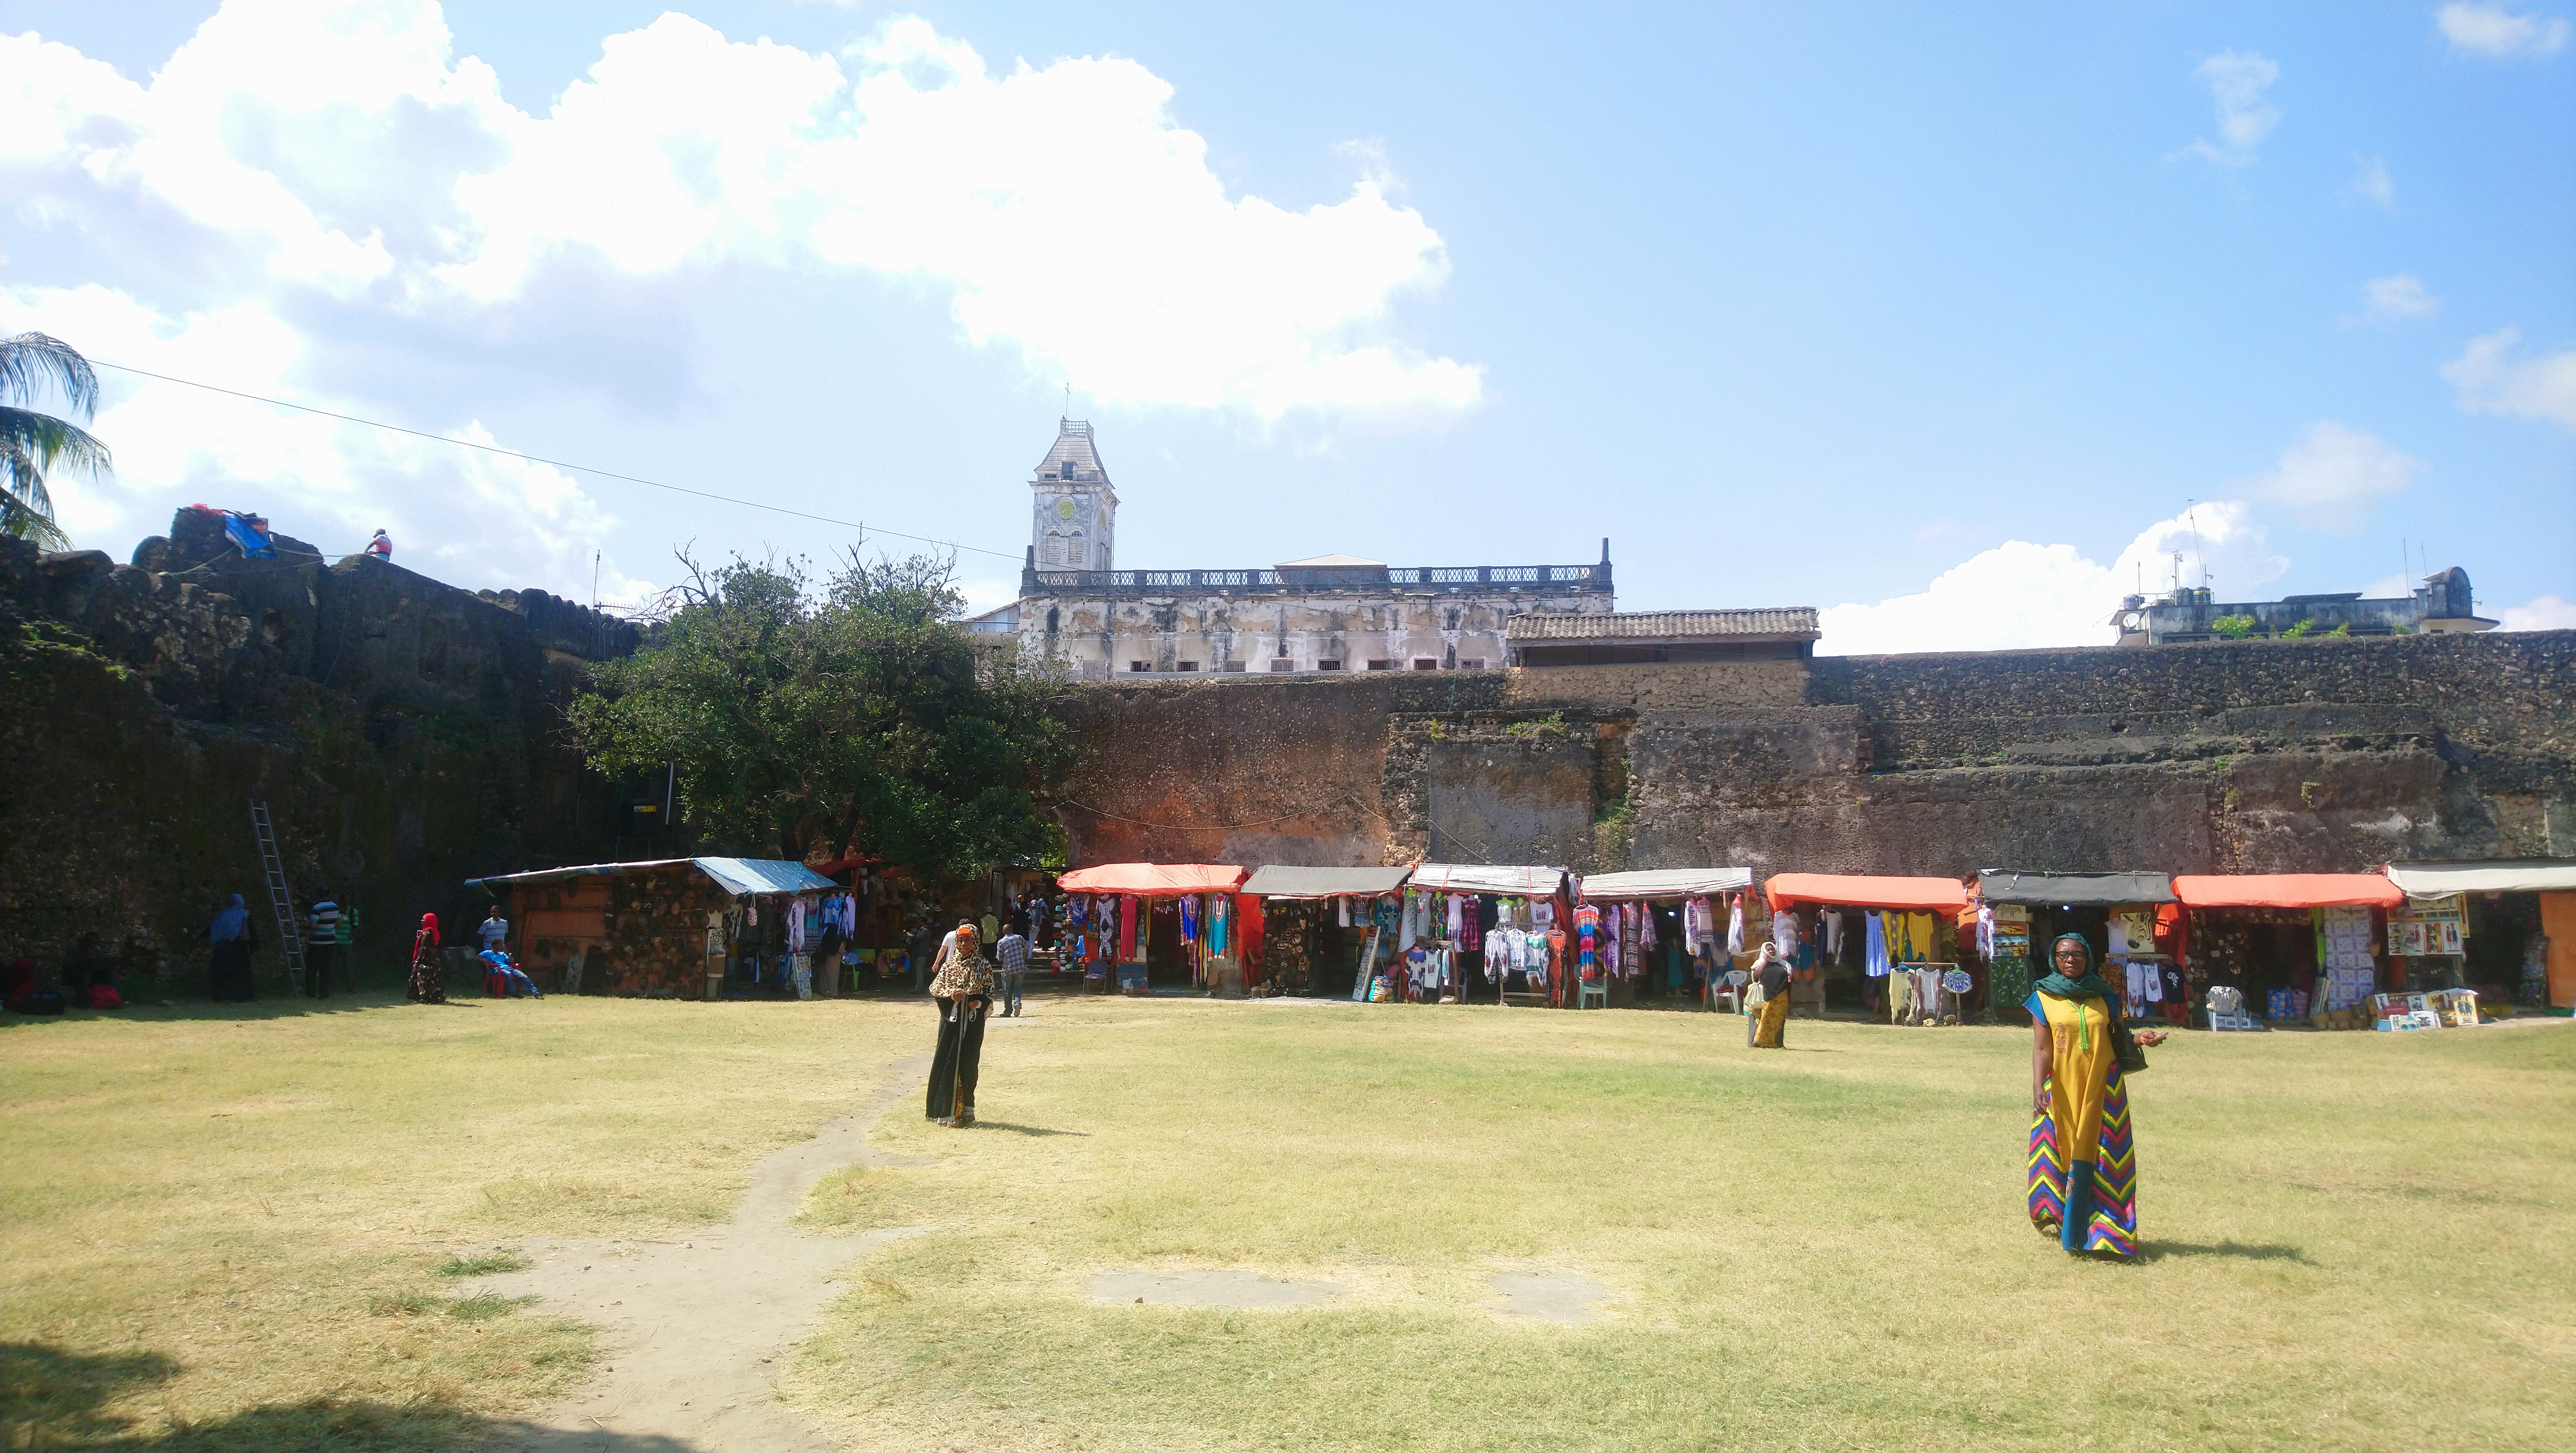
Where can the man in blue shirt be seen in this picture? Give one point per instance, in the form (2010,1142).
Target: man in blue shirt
(513,983)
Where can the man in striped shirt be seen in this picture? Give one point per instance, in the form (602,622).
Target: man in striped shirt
(1012,953)
(322,946)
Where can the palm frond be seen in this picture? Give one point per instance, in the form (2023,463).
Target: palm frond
(31,360)
(25,520)
(43,445)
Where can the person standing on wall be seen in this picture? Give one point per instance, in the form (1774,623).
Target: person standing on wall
(322,946)
(1011,958)
(963,989)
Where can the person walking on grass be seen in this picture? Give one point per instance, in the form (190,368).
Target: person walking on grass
(1011,971)
(1766,1001)
(2083,1165)
(963,989)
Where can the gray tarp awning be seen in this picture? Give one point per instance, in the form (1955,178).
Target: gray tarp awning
(1285,882)
(736,876)
(1516,882)
(2501,875)
(2073,890)
(1665,883)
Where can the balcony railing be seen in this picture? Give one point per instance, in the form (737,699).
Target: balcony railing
(1524,579)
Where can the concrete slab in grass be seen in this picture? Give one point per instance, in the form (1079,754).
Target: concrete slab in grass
(1566,1298)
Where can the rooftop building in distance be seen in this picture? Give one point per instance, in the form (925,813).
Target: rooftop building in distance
(2444,604)
(1328,613)
(1782,634)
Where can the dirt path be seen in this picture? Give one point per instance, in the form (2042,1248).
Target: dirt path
(692,1329)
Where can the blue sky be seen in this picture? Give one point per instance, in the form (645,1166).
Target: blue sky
(1956,321)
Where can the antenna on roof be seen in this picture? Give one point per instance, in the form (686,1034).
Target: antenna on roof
(1068,398)
(2190,518)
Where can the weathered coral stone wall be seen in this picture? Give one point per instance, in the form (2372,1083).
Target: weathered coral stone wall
(2312,755)
(406,736)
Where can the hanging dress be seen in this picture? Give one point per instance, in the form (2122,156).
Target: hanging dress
(2080,1148)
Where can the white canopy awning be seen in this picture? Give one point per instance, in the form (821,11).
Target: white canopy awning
(1517,882)
(2496,875)
(1665,883)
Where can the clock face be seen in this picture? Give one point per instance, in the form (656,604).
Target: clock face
(1064,509)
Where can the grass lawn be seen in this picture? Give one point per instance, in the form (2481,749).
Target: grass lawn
(236,1227)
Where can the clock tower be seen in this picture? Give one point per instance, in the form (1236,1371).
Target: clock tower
(1074,519)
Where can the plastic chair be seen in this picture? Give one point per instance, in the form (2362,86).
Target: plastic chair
(1587,990)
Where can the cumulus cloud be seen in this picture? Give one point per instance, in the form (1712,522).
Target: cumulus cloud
(2237,82)
(2371,183)
(321,480)
(2492,376)
(2021,594)
(2542,613)
(2492,30)
(1062,209)
(2400,297)
(2334,474)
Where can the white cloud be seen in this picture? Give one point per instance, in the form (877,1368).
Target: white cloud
(2020,594)
(2237,81)
(2400,296)
(2371,183)
(2491,379)
(468,517)
(2492,30)
(1061,208)
(2542,613)
(2334,474)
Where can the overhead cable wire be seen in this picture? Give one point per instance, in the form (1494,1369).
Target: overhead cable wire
(555,463)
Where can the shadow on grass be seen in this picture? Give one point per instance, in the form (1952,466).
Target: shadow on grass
(1023,1129)
(2242,1251)
(52,1398)
(278,1007)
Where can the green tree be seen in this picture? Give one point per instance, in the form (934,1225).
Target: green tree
(853,717)
(33,443)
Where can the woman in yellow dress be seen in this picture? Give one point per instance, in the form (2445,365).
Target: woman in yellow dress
(2083,1167)
(1767,1007)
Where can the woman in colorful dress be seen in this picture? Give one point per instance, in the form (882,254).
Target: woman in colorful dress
(2083,1166)
(428,981)
(1766,1012)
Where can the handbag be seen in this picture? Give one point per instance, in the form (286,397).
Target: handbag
(2124,1045)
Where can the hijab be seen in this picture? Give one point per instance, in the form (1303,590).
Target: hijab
(429,925)
(2087,985)
(229,923)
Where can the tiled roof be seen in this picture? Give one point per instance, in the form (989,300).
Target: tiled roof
(1661,625)
(1073,447)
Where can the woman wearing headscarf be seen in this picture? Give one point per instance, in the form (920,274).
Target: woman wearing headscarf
(1766,1007)
(2083,1168)
(228,969)
(428,982)
(962,988)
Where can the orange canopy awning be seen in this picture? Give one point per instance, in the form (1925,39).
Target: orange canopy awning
(1785,889)
(2287,890)
(1154,880)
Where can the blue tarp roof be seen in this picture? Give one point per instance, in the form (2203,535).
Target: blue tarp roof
(737,876)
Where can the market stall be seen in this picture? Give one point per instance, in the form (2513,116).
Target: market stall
(672,928)
(2283,947)
(1891,942)
(1138,925)
(2506,928)
(1322,929)
(1676,919)
(2132,921)
(1476,929)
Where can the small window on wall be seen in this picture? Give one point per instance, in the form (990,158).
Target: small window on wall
(1140,665)
(1476,665)
(1282,663)
(1426,663)
(1381,665)
(1328,665)
(1186,666)
(1229,666)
